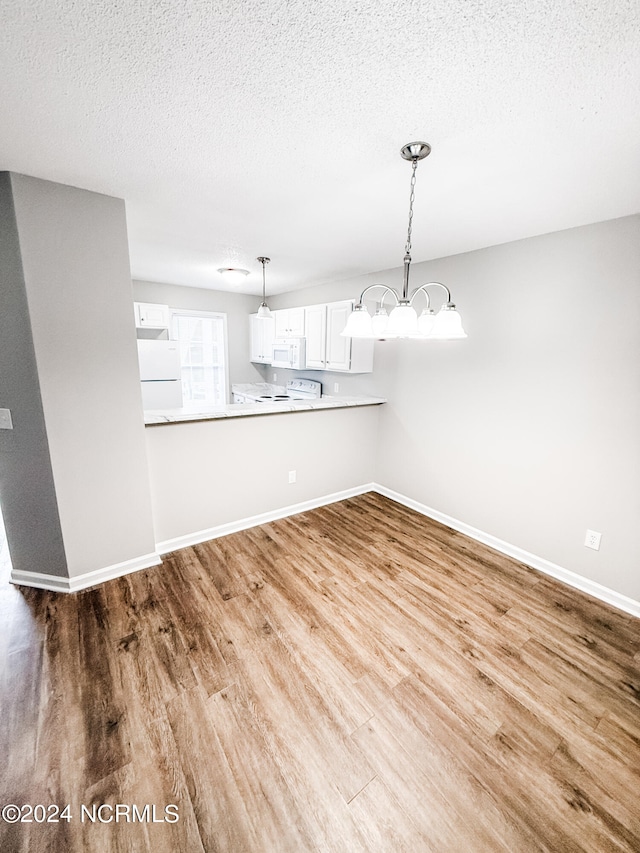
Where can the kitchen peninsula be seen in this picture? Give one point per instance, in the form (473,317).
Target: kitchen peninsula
(156,417)
(226,468)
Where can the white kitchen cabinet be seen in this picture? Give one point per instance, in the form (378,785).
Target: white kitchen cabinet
(262,334)
(327,349)
(338,348)
(315,328)
(151,315)
(289,323)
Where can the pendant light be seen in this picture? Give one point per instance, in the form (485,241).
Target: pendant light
(404,322)
(264,313)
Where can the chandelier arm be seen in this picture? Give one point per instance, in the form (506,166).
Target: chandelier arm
(372,287)
(405,278)
(423,288)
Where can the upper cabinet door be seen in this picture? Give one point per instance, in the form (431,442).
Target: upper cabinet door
(338,353)
(289,322)
(150,315)
(296,322)
(316,335)
(281,318)
(261,339)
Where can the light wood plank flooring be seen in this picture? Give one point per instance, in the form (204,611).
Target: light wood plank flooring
(355,678)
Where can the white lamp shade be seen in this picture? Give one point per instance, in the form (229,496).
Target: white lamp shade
(358,324)
(264,312)
(425,323)
(403,322)
(447,325)
(379,323)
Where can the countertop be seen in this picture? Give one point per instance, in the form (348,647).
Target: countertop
(156,417)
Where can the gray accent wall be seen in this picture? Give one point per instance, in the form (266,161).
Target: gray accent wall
(71,299)
(529,430)
(27,488)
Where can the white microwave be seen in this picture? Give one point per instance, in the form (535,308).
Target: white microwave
(288,352)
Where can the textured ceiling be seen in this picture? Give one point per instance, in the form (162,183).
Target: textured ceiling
(238,128)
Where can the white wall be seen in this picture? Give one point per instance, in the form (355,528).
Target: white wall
(529,430)
(76,279)
(236,306)
(210,473)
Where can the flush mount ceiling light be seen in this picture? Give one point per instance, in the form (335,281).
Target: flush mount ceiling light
(263,311)
(233,276)
(404,322)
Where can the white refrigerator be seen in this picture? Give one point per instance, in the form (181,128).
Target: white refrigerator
(160,374)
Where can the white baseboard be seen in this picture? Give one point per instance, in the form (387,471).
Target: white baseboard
(56,584)
(254,520)
(602,593)
(75,584)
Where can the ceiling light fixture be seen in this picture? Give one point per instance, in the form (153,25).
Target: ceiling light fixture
(264,312)
(404,322)
(233,276)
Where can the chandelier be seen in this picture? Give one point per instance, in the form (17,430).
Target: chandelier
(403,321)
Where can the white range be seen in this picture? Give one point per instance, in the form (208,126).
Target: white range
(297,389)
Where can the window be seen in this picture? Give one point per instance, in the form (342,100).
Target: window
(203,356)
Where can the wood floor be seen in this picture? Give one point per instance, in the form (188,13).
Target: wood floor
(355,678)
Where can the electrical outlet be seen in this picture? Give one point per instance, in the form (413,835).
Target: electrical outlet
(275,377)
(592,540)
(336,387)
(292,476)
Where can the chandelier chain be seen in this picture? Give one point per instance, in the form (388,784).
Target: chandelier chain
(407,248)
